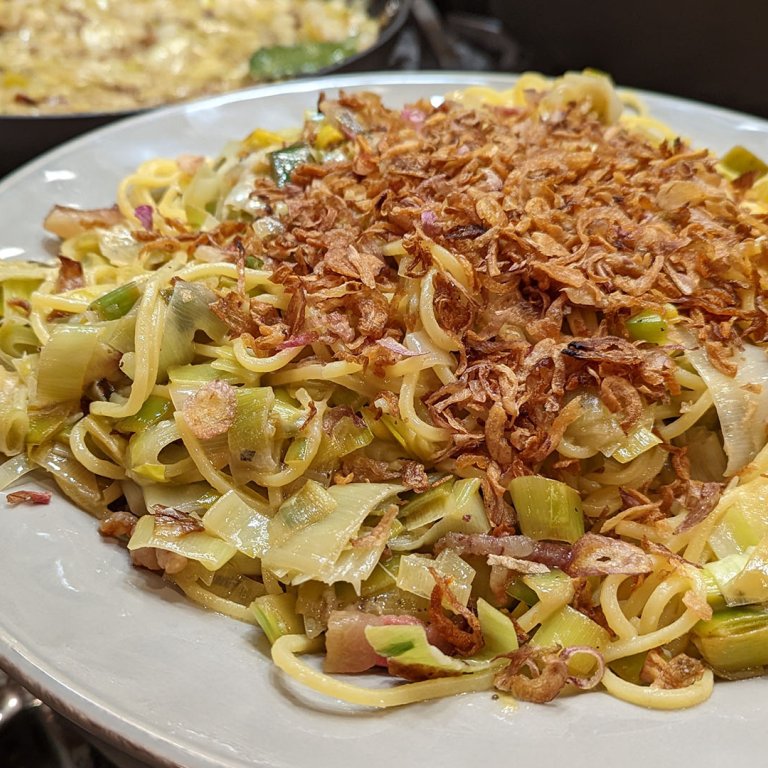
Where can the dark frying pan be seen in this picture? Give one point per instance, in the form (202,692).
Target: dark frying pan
(25,137)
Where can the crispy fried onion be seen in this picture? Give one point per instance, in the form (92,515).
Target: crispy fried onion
(680,671)
(174,522)
(461,633)
(539,674)
(380,534)
(210,411)
(595,555)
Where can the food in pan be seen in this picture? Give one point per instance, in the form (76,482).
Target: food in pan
(81,56)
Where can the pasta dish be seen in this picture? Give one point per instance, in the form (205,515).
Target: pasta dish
(472,391)
(79,56)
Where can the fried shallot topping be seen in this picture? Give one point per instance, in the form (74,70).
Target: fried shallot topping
(539,674)
(546,220)
(678,672)
(175,522)
(461,632)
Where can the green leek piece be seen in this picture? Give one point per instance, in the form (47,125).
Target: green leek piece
(738,161)
(498,631)
(17,291)
(189,311)
(648,326)
(212,552)
(547,509)
(639,440)
(309,505)
(154,410)
(345,437)
(239,523)
(408,645)
(519,590)
(321,549)
(64,362)
(744,523)
(553,587)
(721,572)
(251,437)
(277,615)
(414,574)
(749,585)
(630,668)
(201,195)
(288,416)
(734,639)
(43,425)
(383,577)
(714,595)
(568,627)
(553,590)
(197,495)
(117,303)
(13,414)
(278,62)
(461,511)
(283,162)
(434,497)
(17,339)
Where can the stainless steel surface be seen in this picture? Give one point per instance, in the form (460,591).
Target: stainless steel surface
(13,700)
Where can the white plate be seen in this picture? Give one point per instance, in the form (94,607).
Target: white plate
(133,662)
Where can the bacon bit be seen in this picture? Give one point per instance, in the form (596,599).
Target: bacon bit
(171,562)
(678,672)
(175,522)
(347,650)
(380,534)
(70,275)
(28,497)
(118,524)
(465,642)
(484,544)
(154,559)
(68,222)
(146,557)
(539,674)
(595,555)
(210,411)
